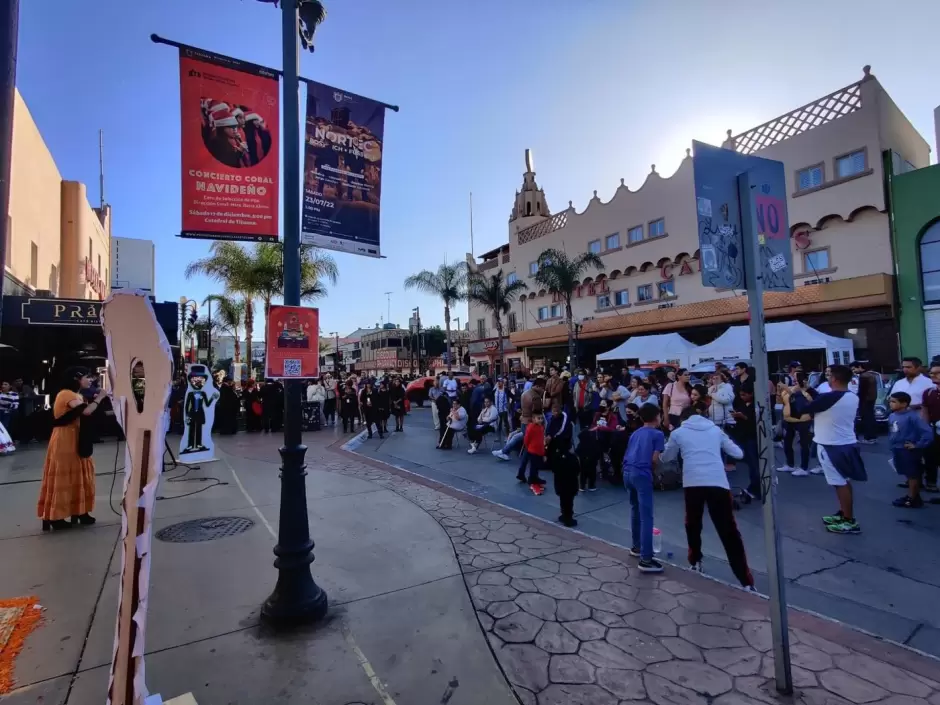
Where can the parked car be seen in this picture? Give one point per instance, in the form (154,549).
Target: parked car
(417,390)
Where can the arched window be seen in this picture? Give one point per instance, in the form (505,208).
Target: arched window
(930,263)
(528,208)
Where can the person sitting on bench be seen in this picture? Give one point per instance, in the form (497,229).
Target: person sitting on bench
(486,423)
(456,422)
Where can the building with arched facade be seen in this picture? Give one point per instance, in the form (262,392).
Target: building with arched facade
(833,150)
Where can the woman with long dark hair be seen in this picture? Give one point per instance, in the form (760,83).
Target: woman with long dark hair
(397,396)
(68,475)
(677,397)
(368,407)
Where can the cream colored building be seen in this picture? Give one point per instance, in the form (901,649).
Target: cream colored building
(833,150)
(58,245)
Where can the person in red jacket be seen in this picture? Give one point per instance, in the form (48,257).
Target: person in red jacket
(534,444)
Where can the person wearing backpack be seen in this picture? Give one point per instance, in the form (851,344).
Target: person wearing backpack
(705,484)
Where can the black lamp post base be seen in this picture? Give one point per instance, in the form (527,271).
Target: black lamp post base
(296,599)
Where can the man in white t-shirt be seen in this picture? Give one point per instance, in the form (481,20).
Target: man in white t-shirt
(450,386)
(914,382)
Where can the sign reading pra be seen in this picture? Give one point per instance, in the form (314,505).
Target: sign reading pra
(230,165)
(61,312)
(293,343)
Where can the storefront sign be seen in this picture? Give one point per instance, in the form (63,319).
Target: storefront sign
(666,271)
(595,288)
(491,347)
(93,279)
(61,312)
(342,171)
(230,123)
(386,357)
(293,338)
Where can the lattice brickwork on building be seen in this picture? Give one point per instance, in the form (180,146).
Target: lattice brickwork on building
(835,105)
(549,225)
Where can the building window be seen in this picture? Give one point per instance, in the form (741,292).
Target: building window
(851,164)
(635,234)
(54,283)
(816,260)
(513,325)
(533,268)
(621,298)
(657,228)
(810,177)
(481,328)
(930,263)
(556,311)
(594,247)
(33,265)
(612,242)
(644,293)
(89,250)
(99,265)
(603,301)
(543,312)
(666,289)
(511,278)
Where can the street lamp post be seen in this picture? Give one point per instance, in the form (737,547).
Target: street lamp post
(184,307)
(296,597)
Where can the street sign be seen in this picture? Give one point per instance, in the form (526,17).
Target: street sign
(719,212)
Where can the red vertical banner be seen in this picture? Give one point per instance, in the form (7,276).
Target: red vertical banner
(293,349)
(230,163)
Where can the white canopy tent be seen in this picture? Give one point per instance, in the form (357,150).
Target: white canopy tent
(735,343)
(651,349)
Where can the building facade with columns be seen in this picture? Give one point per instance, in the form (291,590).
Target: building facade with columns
(834,151)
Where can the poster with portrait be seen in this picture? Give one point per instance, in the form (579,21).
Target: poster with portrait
(293,343)
(196,445)
(343,145)
(230,163)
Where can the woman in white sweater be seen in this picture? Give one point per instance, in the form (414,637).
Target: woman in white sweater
(705,483)
(721,394)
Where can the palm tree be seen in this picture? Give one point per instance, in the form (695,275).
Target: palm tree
(449,284)
(494,294)
(561,275)
(228,318)
(315,268)
(233,266)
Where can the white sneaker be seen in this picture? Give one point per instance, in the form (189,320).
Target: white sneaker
(800,472)
(785,468)
(816,471)
(472,449)
(500,454)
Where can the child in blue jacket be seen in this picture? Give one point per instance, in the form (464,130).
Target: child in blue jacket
(910,435)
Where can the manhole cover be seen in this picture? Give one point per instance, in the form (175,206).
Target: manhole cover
(207,529)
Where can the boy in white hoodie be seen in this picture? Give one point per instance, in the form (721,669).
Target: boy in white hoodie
(705,483)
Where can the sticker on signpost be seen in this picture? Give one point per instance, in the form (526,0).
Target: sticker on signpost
(709,258)
(777,263)
(705,207)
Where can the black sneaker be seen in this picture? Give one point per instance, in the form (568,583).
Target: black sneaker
(635,552)
(570,523)
(903,485)
(650,566)
(521,477)
(907,502)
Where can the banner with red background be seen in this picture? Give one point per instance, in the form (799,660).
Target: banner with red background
(293,349)
(230,164)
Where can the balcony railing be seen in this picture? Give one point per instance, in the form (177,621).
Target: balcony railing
(544,227)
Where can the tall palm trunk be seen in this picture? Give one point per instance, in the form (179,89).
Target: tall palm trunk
(502,354)
(267,312)
(569,319)
(447,328)
(249,329)
(238,348)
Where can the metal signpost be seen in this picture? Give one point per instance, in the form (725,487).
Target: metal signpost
(744,240)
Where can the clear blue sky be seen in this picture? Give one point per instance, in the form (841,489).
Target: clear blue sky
(599,90)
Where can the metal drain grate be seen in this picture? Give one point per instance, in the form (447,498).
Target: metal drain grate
(206,529)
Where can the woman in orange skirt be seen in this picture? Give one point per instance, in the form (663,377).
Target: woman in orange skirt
(68,476)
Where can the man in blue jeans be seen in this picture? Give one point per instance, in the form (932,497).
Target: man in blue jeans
(643,450)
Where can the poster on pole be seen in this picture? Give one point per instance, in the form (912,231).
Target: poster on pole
(342,171)
(293,343)
(230,163)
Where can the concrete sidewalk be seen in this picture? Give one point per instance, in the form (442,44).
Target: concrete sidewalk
(882,581)
(401,629)
(568,617)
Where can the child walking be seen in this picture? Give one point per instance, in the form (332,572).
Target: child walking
(910,436)
(534,444)
(643,450)
(705,484)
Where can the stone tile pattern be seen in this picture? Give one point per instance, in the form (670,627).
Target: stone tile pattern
(570,626)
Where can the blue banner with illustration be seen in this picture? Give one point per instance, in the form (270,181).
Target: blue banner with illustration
(342,171)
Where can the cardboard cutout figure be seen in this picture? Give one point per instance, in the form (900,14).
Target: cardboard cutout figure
(196,445)
(140,373)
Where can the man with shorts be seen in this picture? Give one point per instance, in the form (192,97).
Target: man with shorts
(837,446)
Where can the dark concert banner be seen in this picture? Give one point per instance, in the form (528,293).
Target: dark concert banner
(342,171)
(230,124)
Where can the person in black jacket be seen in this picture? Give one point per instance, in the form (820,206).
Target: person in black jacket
(349,406)
(397,398)
(383,407)
(442,409)
(369,406)
(562,462)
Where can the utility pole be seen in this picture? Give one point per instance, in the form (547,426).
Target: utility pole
(9,32)
(296,597)
(388,295)
(209,354)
